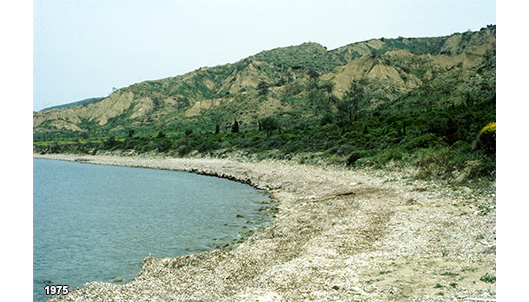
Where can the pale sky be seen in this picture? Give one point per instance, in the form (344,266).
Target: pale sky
(84,48)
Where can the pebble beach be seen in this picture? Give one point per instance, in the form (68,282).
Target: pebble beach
(339,235)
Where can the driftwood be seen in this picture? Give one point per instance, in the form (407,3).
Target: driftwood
(334,196)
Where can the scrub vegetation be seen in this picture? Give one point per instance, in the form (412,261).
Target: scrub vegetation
(422,103)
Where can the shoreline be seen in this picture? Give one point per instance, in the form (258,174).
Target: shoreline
(339,234)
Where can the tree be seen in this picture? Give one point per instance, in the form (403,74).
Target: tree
(181,102)
(316,99)
(350,103)
(313,78)
(114,89)
(328,87)
(269,124)
(263,88)
(110,142)
(235,127)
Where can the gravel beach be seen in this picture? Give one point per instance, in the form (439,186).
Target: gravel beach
(339,235)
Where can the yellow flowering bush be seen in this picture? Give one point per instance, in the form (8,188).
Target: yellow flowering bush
(489,129)
(487,139)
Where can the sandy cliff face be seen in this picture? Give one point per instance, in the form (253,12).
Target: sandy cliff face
(373,70)
(67,116)
(107,108)
(100,112)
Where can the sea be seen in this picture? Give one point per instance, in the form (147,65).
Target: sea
(97,223)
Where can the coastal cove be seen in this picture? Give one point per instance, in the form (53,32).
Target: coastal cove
(98,222)
(339,234)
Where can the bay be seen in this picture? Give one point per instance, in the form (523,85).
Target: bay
(97,223)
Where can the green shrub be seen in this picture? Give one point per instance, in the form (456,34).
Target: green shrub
(424,141)
(355,155)
(54,148)
(388,155)
(163,145)
(344,150)
(205,147)
(326,119)
(291,147)
(488,278)
(184,150)
(450,164)
(433,162)
(332,149)
(461,147)
(110,142)
(485,167)
(160,135)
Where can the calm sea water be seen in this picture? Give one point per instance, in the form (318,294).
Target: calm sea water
(96,223)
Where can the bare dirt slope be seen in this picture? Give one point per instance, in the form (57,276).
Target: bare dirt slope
(340,235)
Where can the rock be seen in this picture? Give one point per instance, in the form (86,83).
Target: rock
(118,279)
(239,216)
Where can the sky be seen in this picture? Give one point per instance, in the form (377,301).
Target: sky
(85,48)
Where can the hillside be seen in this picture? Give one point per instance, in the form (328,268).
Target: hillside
(392,66)
(376,94)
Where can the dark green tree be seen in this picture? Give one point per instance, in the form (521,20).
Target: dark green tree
(235,126)
(269,124)
(350,103)
(328,87)
(110,142)
(313,78)
(263,88)
(317,100)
